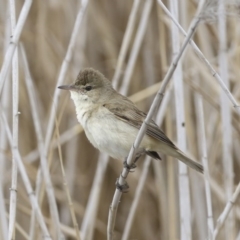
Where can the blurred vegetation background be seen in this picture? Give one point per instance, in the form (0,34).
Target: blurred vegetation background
(45,37)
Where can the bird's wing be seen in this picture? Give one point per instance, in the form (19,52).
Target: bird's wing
(135,117)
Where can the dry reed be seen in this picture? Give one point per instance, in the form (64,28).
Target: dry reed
(131,42)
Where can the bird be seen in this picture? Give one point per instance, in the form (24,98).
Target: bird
(111,121)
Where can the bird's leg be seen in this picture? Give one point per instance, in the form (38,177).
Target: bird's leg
(132,165)
(129,167)
(122,187)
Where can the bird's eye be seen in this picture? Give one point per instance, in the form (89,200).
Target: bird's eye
(88,88)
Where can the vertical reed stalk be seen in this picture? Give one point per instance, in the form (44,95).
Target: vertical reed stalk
(226,117)
(15,113)
(26,180)
(14,41)
(203,152)
(43,159)
(184,191)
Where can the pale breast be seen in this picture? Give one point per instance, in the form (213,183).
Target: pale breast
(103,129)
(109,134)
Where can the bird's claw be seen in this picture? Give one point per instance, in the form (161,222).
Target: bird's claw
(129,167)
(122,187)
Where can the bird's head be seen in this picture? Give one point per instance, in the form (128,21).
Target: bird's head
(90,85)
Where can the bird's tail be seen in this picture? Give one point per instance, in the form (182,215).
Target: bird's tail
(189,162)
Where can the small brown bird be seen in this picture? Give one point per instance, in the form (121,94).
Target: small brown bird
(111,121)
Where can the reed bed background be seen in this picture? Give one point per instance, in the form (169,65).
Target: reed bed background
(133,43)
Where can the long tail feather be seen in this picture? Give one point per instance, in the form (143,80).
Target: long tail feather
(189,162)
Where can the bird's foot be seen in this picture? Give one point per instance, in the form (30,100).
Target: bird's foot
(122,187)
(129,167)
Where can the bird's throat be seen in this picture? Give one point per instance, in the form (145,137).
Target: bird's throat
(83,107)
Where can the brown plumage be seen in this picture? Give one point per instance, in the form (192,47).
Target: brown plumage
(111,121)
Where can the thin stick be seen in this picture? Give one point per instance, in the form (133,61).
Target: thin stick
(3,147)
(136,199)
(32,228)
(161,179)
(14,41)
(226,116)
(32,197)
(141,133)
(203,151)
(184,191)
(5,100)
(238,237)
(172,192)
(63,72)
(90,216)
(70,171)
(65,137)
(21,230)
(15,100)
(222,218)
(126,42)
(3,220)
(71,208)
(43,158)
(137,44)
(202,57)
(60,80)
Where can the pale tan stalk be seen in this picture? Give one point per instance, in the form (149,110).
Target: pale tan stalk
(141,133)
(15,113)
(172,179)
(14,41)
(203,152)
(161,178)
(6,102)
(137,44)
(238,237)
(65,137)
(142,179)
(3,218)
(126,42)
(222,218)
(62,74)
(136,199)
(89,220)
(21,230)
(26,180)
(43,158)
(71,166)
(100,44)
(199,227)
(204,59)
(226,117)
(73,216)
(184,190)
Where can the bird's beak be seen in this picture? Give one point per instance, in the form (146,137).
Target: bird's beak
(68,87)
